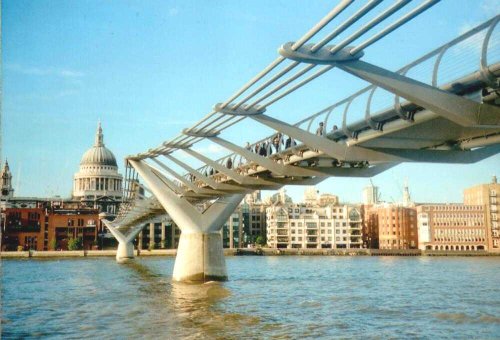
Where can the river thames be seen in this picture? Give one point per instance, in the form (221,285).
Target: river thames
(267,297)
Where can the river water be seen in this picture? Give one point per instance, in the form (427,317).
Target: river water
(267,297)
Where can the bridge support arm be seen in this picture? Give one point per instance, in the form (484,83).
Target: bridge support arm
(441,156)
(460,110)
(325,145)
(331,148)
(125,251)
(205,179)
(269,164)
(240,179)
(200,256)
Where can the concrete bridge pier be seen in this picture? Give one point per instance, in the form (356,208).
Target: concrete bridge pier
(200,256)
(125,251)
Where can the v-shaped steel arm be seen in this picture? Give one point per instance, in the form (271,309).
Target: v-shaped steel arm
(182,212)
(460,110)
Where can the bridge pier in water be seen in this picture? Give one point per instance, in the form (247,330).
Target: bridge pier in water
(200,258)
(125,251)
(200,255)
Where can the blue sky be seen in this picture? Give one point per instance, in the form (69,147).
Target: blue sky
(148,69)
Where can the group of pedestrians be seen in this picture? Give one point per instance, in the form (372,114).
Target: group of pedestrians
(320,130)
(274,144)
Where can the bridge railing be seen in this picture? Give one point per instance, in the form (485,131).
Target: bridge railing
(270,85)
(475,50)
(372,100)
(341,114)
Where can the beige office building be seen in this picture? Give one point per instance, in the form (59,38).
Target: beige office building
(451,227)
(487,195)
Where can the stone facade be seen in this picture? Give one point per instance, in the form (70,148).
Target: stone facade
(487,195)
(98,184)
(6,189)
(451,227)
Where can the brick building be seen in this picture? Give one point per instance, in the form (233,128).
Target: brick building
(48,228)
(390,226)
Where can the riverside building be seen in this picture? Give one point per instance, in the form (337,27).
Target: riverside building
(247,223)
(488,196)
(313,225)
(451,227)
(389,226)
(397,226)
(160,234)
(254,216)
(49,228)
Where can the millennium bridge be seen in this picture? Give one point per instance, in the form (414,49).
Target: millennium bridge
(423,112)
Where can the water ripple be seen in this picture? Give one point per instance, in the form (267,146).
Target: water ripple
(266,297)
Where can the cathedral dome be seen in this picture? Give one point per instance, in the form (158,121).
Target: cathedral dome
(98,178)
(98,154)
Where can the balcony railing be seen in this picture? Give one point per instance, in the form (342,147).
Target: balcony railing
(23,227)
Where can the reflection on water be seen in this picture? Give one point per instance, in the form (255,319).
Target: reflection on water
(188,308)
(266,297)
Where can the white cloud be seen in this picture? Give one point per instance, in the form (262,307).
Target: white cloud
(70,73)
(173,11)
(490,7)
(466,27)
(44,71)
(213,149)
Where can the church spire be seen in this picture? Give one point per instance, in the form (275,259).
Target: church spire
(6,181)
(99,138)
(6,165)
(406,195)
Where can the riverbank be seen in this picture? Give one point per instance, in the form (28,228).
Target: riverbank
(250,252)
